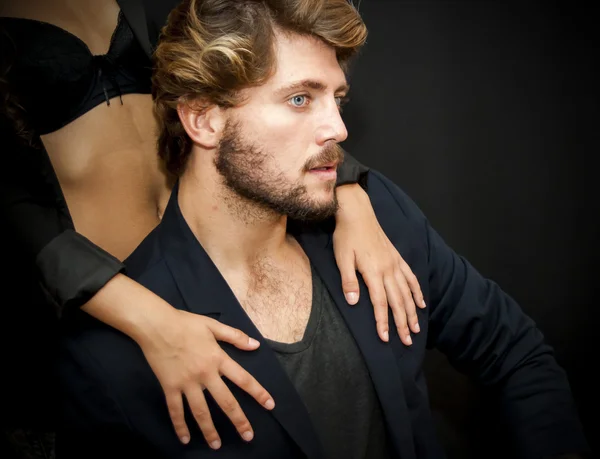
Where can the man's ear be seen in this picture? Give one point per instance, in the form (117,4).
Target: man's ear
(203,123)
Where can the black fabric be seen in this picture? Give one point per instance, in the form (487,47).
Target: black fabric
(329,373)
(56,77)
(352,171)
(68,282)
(134,11)
(156,16)
(28,338)
(32,202)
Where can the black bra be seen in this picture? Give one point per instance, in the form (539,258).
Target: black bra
(56,78)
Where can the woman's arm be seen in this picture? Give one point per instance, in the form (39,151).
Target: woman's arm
(181,348)
(360,244)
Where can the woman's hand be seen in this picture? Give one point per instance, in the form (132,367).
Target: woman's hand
(184,354)
(360,243)
(186,358)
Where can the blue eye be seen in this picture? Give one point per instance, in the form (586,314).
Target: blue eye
(298,101)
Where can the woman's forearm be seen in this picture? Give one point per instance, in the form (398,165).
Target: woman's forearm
(129,307)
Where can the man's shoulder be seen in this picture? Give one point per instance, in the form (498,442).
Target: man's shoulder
(400,219)
(148,266)
(146,257)
(390,202)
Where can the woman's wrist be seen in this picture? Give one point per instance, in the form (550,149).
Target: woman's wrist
(130,308)
(350,199)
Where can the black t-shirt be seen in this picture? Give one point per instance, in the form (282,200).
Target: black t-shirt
(328,371)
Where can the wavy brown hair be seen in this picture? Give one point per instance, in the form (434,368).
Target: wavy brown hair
(211,49)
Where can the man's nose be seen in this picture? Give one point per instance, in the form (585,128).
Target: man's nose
(332,126)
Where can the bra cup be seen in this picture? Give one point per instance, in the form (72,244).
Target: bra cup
(57,79)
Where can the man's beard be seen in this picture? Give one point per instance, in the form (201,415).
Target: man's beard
(244,169)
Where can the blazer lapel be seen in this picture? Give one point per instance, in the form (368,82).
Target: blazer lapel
(206,292)
(381,358)
(133,10)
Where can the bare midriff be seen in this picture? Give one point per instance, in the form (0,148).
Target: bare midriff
(106,160)
(109,171)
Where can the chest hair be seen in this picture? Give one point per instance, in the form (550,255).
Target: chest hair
(278,299)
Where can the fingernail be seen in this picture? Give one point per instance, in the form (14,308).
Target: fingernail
(215,444)
(269,404)
(408,340)
(185,440)
(386,336)
(253,342)
(247,435)
(352,297)
(417,328)
(423,303)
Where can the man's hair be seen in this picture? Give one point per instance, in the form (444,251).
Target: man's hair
(209,50)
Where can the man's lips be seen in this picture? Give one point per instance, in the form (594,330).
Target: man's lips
(325,167)
(326,172)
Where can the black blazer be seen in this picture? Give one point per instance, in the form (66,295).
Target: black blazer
(113,405)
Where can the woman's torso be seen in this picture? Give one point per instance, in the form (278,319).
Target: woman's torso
(105,159)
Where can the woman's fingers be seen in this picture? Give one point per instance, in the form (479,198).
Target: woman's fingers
(199,407)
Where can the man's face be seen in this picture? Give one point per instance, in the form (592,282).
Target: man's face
(280,148)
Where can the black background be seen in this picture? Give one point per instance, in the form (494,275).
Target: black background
(486,114)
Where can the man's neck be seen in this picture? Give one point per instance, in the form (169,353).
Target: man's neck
(266,269)
(235,232)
